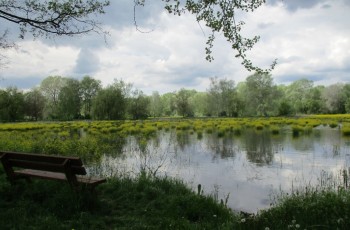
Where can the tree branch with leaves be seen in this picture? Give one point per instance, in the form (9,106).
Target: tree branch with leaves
(220,17)
(47,18)
(51,18)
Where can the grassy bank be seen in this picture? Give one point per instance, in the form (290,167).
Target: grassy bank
(141,203)
(158,203)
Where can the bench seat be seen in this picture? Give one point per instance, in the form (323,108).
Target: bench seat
(62,168)
(58,176)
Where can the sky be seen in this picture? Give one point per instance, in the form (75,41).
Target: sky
(309,38)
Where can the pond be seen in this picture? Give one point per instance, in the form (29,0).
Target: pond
(245,171)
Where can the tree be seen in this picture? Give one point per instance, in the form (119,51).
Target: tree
(334,98)
(260,94)
(34,102)
(168,101)
(155,105)
(222,98)
(346,93)
(138,105)
(73,17)
(220,17)
(69,103)
(11,104)
(299,94)
(50,18)
(214,102)
(315,103)
(182,102)
(285,107)
(89,88)
(4,45)
(198,103)
(51,88)
(109,104)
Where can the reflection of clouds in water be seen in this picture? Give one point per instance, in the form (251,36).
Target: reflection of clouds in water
(223,165)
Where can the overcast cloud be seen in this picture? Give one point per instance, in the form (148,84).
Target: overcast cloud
(310,39)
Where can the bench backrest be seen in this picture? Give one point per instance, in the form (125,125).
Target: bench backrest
(43,162)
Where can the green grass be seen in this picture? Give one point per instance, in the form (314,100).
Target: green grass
(148,202)
(324,209)
(144,202)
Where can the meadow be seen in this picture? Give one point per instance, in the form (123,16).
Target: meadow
(148,201)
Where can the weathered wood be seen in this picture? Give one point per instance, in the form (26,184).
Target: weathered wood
(60,168)
(43,158)
(58,176)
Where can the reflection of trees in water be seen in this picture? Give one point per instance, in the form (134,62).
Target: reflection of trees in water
(259,146)
(225,147)
(303,142)
(182,139)
(321,140)
(111,145)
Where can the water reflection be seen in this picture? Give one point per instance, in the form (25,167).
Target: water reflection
(222,147)
(243,169)
(258,145)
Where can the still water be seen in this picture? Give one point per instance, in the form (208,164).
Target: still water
(245,171)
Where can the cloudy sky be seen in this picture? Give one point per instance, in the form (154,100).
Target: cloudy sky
(310,39)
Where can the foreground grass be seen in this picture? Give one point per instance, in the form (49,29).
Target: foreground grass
(158,203)
(141,203)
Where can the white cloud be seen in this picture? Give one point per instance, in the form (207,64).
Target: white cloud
(35,59)
(309,39)
(307,43)
(87,63)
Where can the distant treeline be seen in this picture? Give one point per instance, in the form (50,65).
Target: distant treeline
(61,98)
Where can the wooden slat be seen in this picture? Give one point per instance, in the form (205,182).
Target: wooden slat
(41,174)
(58,176)
(41,158)
(45,166)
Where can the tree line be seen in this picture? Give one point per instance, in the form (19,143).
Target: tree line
(62,98)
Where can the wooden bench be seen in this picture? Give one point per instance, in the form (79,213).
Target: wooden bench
(62,168)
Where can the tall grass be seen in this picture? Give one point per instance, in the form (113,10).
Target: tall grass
(143,202)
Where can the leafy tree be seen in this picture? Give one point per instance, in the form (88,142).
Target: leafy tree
(51,88)
(183,107)
(138,105)
(4,45)
(123,86)
(214,102)
(168,101)
(285,108)
(334,98)
(155,105)
(69,100)
(315,103)
(51,17)
(222,98)
(109,104)
(198,102)
(34,102)
(260,95)
(346,93)
(89,88)
(220,17)
(73,17)
(11,104)
(299,94)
